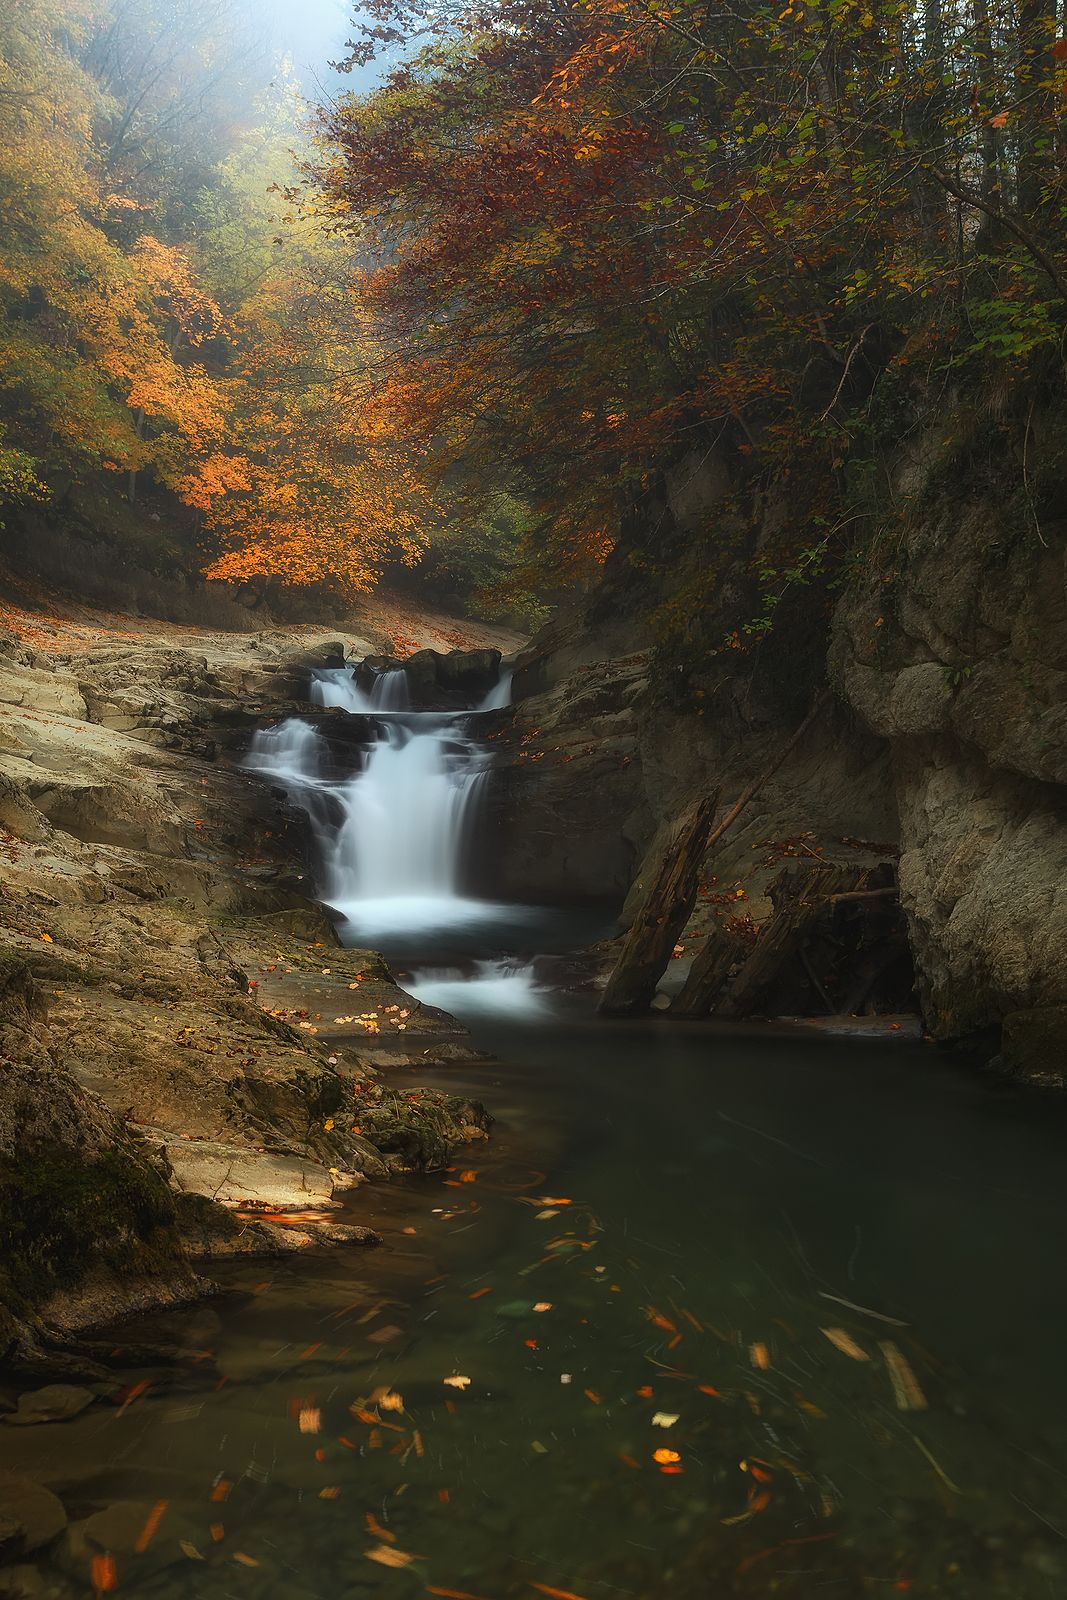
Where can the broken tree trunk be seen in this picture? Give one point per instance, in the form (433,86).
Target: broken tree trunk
(661,916)
(708,974)
(799,898)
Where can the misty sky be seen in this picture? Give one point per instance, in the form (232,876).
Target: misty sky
(313,32)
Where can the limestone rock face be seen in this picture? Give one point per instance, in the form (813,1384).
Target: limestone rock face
(959,661)
(86,1215)
(943,743)
(178,1023)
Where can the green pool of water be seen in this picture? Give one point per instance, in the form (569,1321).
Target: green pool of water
(643,1277)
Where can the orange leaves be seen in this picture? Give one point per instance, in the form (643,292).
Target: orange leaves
(151,1526)
(387,1555)
(103,1574)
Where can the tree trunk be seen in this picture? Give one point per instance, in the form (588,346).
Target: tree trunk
(708,974)
(800,898)
(1035,76)
(663,913)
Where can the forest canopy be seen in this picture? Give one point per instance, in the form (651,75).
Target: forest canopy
(483,306)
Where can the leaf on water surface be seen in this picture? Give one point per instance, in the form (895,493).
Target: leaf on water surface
(906,1391)
(566,1377)
(190,1550)
(217,1532)
(847,1346)
(538,1447)
(383,1335)
(557,1594)
(152,1521)
(543,1305)
(387,1556)
(664,1457)
(451,1594)
(457,1382)
(543,1216)
(246,1561)
(103,1573)
(310,1419)
(759,1356)
(388,1399)
(331,1492)
(664,1419)
(808,1408)
(659,1319)
(375,1527)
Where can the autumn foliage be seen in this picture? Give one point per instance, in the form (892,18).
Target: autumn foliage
(607,236)
(174,318)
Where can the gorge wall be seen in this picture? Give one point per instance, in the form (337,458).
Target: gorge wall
(941,744)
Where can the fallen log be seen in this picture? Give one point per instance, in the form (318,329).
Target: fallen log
(799,899)
(708,974)
(662,914)
(668,902)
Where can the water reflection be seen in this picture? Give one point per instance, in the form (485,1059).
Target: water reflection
(651,1280)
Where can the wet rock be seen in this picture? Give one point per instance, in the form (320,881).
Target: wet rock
(211,1231)
(119,1529)
(31,1516)
(1032,1045)
(232,1173)
(86,1215)
(57,1402)
(438,681)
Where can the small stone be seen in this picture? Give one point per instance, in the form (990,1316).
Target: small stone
(32,1515)
(56,1402)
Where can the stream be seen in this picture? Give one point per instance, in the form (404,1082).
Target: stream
(717,1312)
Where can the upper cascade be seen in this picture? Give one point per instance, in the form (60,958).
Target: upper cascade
(394,837)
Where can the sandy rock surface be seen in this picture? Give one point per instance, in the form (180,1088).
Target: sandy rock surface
(166,981)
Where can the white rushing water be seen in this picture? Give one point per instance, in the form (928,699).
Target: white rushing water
(392,837)
(493,989)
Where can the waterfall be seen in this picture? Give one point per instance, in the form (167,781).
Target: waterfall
(336,686)
(392,836)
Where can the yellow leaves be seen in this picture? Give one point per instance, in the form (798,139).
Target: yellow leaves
(457,1382)
(664,1457)
(906,1390)
(387,1556)
(848,1346)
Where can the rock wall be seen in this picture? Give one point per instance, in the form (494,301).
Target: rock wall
(184,1044)
(943,742)
(956,656)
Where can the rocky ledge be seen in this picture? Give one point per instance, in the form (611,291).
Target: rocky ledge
(190,1063)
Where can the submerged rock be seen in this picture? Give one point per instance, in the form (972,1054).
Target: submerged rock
(31,1516)
(57,1402)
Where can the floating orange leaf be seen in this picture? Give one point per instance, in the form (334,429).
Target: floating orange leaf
(103,1573)
(843,1342)
(152,1521)
(386,1556)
